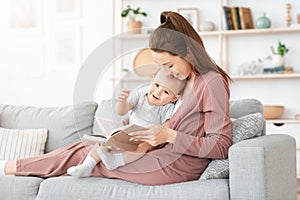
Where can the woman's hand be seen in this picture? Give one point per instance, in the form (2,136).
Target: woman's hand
(155,135)
(144,147)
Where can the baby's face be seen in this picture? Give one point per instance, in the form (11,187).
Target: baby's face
(159,95)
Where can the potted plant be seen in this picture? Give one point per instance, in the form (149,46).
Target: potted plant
(278,55)
(133,25)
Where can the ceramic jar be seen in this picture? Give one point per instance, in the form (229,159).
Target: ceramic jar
(207,26)
(278,60)
(263,22)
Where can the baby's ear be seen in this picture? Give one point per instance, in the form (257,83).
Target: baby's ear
(176,97)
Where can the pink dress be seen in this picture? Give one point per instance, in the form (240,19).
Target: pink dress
(203,130)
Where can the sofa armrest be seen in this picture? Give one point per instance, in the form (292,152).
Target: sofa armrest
(263,168)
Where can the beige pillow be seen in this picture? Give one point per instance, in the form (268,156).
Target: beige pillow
(22,143)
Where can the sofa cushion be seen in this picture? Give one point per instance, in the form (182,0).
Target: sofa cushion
(106,111)
(18,187)
(22,143)
(243,128)
(66,124)
(70,188)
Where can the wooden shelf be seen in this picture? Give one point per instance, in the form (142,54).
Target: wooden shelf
(267,76)
(261,31)
(133,79)
(225,33)
(283,121)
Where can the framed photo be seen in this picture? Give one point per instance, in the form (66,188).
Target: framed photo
(26,61)
(67,8)
(65,49)
(26,16)
(192,15)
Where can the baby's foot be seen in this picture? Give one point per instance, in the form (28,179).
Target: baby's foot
(111,161)
(79,171)
(83,170)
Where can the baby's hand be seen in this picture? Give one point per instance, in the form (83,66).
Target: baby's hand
(124,95)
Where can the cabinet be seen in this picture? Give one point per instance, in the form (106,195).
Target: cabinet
(290,127)
(230,48)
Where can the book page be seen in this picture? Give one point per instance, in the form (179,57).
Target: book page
(108,125)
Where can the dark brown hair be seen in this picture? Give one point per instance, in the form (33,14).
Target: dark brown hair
(176,36)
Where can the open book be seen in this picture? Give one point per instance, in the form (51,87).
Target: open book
(118,138)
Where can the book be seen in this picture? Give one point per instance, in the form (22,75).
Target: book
(238,17)
(228,18)
(234,18)
(118,139)
(246,18)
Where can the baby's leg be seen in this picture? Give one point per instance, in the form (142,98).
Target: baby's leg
(85,169)
(115,160)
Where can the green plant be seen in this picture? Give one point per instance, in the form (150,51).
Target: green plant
(132,13)
(281,49)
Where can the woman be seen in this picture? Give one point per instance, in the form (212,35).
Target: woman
(200,129)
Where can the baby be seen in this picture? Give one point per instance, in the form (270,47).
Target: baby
(152,107)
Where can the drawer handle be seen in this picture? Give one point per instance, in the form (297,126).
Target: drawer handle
(278,124)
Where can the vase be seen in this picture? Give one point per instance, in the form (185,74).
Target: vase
(278,60)
(134,27)
(207,26)
(263,22)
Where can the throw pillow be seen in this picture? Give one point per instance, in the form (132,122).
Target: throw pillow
(66,124)
(22,143)
(243,128)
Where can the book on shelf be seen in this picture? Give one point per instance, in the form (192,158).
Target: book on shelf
(238,18)
(235,18)
(246,18)
(228,18)
(118,139)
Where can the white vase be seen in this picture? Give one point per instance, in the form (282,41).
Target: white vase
(207,26)
(278,60)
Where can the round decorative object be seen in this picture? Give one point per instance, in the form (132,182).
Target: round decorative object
(143,63)
(207,26)
(278,60)
(263,22)
(273,111)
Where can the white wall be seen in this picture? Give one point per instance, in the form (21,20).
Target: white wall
(28,75)
(38,82)
(245,48)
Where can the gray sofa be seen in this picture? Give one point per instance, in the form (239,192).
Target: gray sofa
(260,168)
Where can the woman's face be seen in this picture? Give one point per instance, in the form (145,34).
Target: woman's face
(176,66)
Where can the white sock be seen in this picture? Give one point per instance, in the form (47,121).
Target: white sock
(2,167)
(83,170)
(111,161)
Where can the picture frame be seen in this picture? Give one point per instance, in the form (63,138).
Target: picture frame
(65,48)
(67,8)
(26,16)
(192,15)
(30,62)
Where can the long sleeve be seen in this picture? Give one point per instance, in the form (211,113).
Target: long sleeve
(203,123)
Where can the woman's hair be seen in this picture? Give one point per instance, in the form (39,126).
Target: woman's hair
(176,36)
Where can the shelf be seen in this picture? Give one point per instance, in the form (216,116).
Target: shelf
(132,36)
(133,79)
(267,76)
(261,31)
(283,121)
(225,33)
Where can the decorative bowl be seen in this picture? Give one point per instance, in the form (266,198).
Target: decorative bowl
(273,111)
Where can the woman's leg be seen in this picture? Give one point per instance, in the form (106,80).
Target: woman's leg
(10,167)
(51,164)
